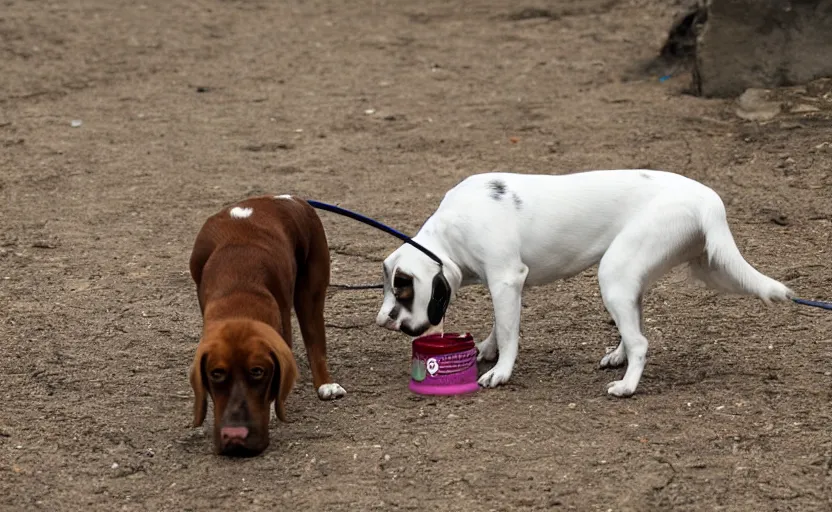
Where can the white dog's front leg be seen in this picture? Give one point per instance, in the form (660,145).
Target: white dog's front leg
(506,295)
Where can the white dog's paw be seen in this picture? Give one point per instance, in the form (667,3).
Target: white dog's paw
(487,350)
(620,389)
(331,391)
(494,377)
(614,358)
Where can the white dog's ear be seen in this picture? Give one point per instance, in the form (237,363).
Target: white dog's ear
(388,271)
(392,276)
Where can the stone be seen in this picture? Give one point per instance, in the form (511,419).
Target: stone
(762,44)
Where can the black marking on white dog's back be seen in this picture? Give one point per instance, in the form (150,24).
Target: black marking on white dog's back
(498,189)
(518,203)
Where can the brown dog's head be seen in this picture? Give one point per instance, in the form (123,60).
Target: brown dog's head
(244,366)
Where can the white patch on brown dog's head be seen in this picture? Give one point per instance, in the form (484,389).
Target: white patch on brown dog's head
(241,213)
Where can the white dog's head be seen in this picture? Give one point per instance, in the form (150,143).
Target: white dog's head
(408,287)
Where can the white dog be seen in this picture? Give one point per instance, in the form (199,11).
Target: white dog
(511,230)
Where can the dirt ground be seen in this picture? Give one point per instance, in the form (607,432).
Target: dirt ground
(382,106)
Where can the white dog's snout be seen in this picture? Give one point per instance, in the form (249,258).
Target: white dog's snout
(383,320)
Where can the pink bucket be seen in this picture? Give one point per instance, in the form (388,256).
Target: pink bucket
(444,364)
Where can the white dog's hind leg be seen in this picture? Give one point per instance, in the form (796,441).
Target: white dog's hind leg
(506,295)
(487,349)
(614,358)
(617,357)
(643,252)
(621,301)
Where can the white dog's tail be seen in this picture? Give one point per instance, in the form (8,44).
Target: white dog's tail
(723,268)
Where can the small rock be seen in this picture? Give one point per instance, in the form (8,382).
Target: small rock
(572,405)
(370,111)
(799,109)
(75,123)
(720,408)
(386,457)
(203,88)
(268,147)
(115,465)
(790,125)
(452,416)
(754,105)
(776,217)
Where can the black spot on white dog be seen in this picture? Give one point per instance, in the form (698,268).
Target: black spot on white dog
(645,176)
(403,291)
(518,203)
(498,189)
(395,312)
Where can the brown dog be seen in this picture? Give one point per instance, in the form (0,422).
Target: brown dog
(251,262)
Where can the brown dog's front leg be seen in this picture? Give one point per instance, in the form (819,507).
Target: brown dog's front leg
(310,297)
(309,307)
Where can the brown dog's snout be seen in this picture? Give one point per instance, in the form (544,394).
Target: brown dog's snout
(233,434)
(238,434)
(236,414)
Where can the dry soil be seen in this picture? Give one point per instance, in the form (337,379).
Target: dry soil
(382,106)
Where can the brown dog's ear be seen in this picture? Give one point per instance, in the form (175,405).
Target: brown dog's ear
(199,384)
(286,373)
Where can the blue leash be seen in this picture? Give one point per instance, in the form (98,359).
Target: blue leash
(401,236)
(815,303)
(374,223)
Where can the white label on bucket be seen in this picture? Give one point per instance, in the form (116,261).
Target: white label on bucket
(433,366)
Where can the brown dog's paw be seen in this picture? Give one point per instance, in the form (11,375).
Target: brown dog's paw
(331,391)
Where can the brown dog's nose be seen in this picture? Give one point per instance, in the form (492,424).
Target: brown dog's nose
(229,434)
